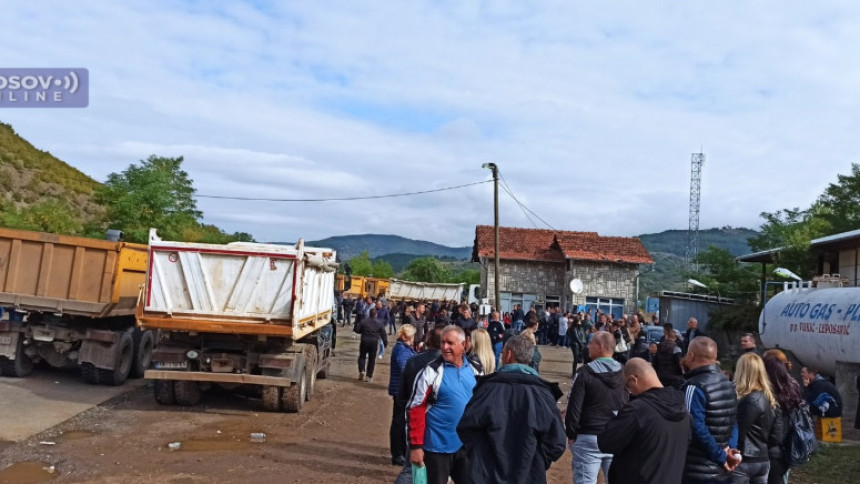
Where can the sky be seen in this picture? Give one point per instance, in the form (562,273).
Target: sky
(591,110)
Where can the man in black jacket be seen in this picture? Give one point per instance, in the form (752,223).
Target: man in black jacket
(693,331)
(596,395)
(649,437)
(511,428)
(713,404)
(371,330)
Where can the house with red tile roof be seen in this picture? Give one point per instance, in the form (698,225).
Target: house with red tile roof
(537,265)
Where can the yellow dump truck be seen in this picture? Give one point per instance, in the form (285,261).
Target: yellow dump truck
(71,299)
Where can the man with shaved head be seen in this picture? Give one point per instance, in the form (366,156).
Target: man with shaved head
(649,437)
(596,395)
(713,404)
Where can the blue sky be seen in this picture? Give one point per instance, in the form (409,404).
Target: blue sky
(590,109)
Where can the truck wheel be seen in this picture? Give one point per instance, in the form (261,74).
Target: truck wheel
(294,395)
(90,373)
(187,393)
(143,343)
(324,371)
(21,366)
(272,398)
(122,363)
(164,392)
(310,370)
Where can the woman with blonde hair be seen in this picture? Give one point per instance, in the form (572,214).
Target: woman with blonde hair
(756,405)
(482,349)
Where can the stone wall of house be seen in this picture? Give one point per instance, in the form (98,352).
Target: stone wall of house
(604,279)
(528,277)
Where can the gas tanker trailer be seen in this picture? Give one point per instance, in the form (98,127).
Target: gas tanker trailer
(820,326)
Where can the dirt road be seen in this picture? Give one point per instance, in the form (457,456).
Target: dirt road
(340,437)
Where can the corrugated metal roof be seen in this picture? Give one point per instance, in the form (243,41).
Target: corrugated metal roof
(854,234)
(761,256)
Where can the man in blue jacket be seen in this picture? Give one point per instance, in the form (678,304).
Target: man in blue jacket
(511,428)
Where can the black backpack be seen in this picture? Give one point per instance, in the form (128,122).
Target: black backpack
(800,441)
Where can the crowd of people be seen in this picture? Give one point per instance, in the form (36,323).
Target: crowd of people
(469,403)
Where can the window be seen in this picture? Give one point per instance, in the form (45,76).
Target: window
(612,306)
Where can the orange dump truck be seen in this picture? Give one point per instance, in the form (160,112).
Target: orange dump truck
(68,300)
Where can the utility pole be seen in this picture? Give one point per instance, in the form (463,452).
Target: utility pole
(495,169)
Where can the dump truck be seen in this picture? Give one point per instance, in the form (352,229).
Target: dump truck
(424,291)
(239,315)
(72,300)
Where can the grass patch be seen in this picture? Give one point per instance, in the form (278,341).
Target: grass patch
(833,464)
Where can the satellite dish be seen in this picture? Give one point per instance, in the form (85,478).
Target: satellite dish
(576,286)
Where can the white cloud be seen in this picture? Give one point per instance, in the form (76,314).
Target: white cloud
(590,109)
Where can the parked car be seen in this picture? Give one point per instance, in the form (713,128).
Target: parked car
(654,334)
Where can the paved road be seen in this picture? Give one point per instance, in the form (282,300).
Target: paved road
(46,398)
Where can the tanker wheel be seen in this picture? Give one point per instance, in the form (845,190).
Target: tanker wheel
(143,343)
(186,393)
(90,373)
(294,395)
(310,370)
(122,363)
(163,390)
(21,366)
(272,398)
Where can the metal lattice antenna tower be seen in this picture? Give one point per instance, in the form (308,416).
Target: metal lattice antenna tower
(696,161)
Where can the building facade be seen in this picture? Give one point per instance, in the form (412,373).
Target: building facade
(536,267)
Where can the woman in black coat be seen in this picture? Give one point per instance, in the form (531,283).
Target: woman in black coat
(755,420)
(786,390)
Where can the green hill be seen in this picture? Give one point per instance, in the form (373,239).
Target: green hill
(349,246)
(30,177)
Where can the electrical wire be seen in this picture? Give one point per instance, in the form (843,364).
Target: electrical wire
(341,199)
(522,206)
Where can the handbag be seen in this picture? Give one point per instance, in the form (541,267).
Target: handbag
(621,346)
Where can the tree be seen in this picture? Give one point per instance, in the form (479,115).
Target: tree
(361,264)
(728,278)
(841,201)
(467,276)
(426,269)
(157,193)
(382,269)
(792,230)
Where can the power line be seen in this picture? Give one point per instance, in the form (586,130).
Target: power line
(342,199)
(522,206)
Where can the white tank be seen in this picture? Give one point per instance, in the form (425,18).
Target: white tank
(820,326)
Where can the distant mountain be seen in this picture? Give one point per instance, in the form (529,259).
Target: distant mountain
(675,241)
(669,248)
(349,246)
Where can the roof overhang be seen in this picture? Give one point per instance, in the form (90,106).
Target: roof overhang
(764,256)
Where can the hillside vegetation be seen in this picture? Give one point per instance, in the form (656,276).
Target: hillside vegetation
(37,180)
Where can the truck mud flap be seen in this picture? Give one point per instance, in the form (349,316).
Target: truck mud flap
(9,344)
(99,348)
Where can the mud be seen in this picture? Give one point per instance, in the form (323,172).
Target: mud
(27,473)
(340,437)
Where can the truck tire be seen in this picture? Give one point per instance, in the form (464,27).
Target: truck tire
(186,393)
(163,390)
(90,373)
(294,395)
(21,366)
(272,398)
(325,371)
(310,370)
(122,363)
(143,344)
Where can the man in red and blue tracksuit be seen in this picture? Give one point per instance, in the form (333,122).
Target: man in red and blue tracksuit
(439,396)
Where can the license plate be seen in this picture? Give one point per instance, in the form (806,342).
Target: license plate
(170,365)
(5,340)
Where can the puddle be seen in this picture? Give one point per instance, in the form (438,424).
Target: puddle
(76,435)
(213,445)
(27,473)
